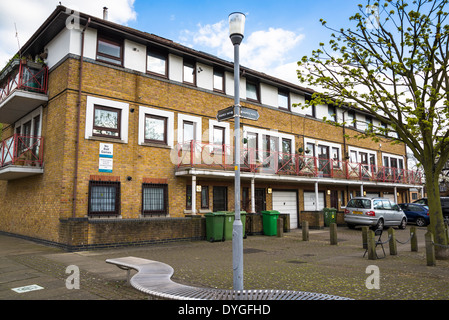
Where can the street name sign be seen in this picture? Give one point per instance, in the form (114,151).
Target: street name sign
(250,114)
(246,113)
(225,114)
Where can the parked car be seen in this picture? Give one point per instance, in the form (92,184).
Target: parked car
(444,204)
(375,212)
(417,213)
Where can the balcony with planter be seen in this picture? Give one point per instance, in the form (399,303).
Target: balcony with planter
(21,156)
(288,167)
(23,87)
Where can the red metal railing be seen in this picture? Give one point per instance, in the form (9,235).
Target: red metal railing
(202,155)
(21,150)
(25,77)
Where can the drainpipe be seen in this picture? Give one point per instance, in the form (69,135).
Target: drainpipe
(78,116)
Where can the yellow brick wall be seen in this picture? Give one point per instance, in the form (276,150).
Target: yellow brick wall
(33,206)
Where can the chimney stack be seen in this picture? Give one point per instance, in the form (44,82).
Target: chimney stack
(105,13)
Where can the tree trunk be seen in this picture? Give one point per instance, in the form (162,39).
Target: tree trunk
(435,213)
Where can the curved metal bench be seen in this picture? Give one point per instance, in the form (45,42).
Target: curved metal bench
(154,278)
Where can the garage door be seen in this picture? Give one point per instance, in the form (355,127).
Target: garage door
(389,196)
(309,201)
(286,202)
(373,194)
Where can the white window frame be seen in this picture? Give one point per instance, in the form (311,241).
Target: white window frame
(143,111)
(124,107)
(273,133)
(368,151)
(225,125)
(327,144)
(395,156)
(30,117)
(194,119)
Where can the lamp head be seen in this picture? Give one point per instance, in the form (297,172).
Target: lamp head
(236,25)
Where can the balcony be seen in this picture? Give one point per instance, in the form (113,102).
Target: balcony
(23,87)
(220,158)
(21,156)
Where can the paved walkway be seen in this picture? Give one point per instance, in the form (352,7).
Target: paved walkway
(286,263)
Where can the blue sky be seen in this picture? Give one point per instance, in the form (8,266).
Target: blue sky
(277,33)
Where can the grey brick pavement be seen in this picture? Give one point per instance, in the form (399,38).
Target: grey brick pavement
(286,263)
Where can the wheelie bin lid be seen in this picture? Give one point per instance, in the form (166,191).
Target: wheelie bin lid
(211,214)
(271,212)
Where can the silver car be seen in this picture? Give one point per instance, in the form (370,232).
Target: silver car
(375,212)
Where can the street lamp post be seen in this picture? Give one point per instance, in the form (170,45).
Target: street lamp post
(236,30)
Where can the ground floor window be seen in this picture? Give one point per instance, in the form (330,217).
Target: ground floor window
(104,198)
(155,199)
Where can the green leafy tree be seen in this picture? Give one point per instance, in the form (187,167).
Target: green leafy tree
(393,63)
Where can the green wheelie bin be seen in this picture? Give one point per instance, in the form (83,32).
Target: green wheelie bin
(269,222)
(330,216)
(229,222)
(214,226)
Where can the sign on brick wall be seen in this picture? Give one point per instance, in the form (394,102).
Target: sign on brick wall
(105,161)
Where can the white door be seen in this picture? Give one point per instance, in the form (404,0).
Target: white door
(309,201)
(286,202)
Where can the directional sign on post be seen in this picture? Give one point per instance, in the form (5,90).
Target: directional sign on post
(250,114)
(225,114)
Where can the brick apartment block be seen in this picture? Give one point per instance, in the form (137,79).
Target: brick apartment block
(132,152)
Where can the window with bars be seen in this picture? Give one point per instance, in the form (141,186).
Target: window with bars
(104,198)
(154,199)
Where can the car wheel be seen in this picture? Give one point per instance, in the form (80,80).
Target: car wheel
(420,222)
(379,224)
(403,224)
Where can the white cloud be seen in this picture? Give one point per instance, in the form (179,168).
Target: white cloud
(266,51)
(28,15)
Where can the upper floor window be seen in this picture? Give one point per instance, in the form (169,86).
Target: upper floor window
(106,119)
(219,138)
(310,110)
(157,62)
(189,131)
(252,92)
(351,119)
(189,72)
(332,113)
(155,129)
(369,123)
(110,51)
(283,100)
(219,81)
(106,122)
